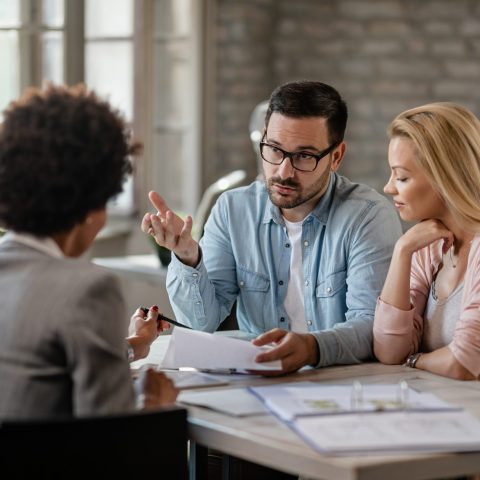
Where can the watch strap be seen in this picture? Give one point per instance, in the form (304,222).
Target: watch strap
(413,359)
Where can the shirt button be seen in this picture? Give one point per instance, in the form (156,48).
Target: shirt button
(282,319)
(287,245)
(309,323)
(329,289)
(306,243)
(307,283)
(242,283)
(280,282)
(195,275)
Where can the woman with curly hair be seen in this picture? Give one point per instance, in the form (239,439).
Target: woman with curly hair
(428,314)
(63,154)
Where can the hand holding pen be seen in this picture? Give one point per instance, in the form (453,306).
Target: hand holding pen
(143,329)
(145,326)
(166,319)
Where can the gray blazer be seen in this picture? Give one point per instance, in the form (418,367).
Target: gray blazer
(62,337)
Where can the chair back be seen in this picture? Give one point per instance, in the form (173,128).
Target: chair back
(140,445)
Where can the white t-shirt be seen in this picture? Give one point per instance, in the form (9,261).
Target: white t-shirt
(440,318)
(294,301)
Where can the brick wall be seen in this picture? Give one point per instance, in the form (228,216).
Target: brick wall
(244,77)
(382,55)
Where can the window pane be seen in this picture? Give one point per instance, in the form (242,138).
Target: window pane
(168,167)
(53,13)
(172,16)
(108,70)
(172,78)
(52,58)
(9,73)
(9,13)
(109,18)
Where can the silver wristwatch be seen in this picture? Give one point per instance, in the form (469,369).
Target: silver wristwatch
(413,359)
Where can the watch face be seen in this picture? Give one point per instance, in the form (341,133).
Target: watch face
(412,360)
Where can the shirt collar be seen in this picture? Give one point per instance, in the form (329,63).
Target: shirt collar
(320,212)
(43,244)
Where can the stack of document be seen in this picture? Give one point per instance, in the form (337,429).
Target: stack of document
(184,379)
(289,401)
(345,419)
(431,432)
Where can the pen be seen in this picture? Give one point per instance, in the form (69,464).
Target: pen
(169,320)
(222,371)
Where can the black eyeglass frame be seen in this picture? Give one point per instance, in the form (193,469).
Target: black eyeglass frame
(316,156)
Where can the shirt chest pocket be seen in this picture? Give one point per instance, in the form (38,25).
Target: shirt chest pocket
(249,281)
(334,283)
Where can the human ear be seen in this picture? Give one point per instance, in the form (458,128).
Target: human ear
(337,156)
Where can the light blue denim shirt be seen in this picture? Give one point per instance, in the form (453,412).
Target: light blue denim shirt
(347,243)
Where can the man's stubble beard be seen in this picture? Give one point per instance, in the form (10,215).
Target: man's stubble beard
(299,199)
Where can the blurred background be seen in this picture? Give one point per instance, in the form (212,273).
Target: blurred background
(188,74)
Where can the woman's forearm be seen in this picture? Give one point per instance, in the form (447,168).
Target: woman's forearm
(443,362)
(396,290)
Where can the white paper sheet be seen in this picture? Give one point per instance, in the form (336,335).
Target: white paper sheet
(187,379)
(238,402)
(190,348)
(401,432)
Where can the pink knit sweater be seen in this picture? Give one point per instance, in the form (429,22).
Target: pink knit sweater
(398,333)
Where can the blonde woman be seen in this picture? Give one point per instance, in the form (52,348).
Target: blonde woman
(428,314)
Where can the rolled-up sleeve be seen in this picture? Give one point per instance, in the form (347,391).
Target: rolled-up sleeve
(203,296)
(398,333)
(370,251)
(465,345)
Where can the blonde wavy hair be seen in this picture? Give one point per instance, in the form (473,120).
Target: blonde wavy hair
(447,140)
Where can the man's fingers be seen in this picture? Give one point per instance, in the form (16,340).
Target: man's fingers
(170,235)
(290,364)
(158,230)
(277,353)
(272,336)
(158,202)
(187,228)
(146,223)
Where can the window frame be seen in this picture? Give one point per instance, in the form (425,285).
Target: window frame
(145,125)
(143,122)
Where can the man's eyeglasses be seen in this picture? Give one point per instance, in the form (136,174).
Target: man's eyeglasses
(303,161)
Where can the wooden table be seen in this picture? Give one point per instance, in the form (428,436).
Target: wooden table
(267,441)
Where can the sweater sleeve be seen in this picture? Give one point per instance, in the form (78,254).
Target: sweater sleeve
(398,333)
(465,345)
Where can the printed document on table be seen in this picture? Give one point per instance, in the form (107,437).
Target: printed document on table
(201,350)
(292,400)
(386,432)
(184,379)
(232,401)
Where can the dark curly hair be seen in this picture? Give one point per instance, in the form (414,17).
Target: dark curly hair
(64,152)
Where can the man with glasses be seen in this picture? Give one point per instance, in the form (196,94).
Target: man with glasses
(304,253)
